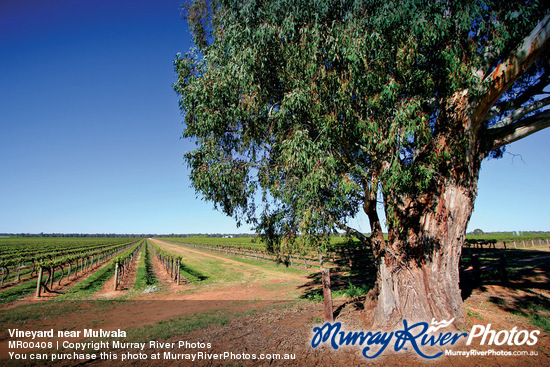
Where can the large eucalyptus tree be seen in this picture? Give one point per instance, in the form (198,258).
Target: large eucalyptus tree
(306,112)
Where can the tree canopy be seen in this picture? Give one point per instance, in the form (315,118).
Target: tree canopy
(305,112)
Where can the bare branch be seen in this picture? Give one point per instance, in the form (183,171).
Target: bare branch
(509,133)
(521,112)
(507,72)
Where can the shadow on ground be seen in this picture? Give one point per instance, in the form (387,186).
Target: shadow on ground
(522,275)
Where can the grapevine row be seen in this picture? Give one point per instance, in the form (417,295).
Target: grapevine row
(171,263)
(26,255)
(86,261)
(123,261)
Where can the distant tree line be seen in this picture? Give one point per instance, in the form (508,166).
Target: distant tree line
(476,232)
(110,235)
(129,235)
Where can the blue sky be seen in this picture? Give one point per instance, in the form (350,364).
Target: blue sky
(90,128)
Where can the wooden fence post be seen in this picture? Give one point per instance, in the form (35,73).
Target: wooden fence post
(116,275)
(179,272)
(39,282)
(52,271)
(327,295)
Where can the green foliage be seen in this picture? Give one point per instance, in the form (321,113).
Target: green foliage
(314,108)
(126,254)
(356,291)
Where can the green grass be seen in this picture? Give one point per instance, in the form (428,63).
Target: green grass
(536,312)
(145,276)
(244,242)
(250,243)
(316,296)
(90,285)
(270,265)
(540,321)
(213,270)
(337,241)
(18,291)
(191,273)
(26,288)
(172,329)
(474,314)
(166,329)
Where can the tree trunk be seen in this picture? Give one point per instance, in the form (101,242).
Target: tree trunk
(418,273)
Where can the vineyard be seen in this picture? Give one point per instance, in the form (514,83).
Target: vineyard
(76,268)
(172,288)
(41,264)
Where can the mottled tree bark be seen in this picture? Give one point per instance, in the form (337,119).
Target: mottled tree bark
(418,278)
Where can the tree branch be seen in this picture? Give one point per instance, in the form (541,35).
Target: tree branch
(519,113)
(360,236)
(509,133)
(507,72)
(509,105)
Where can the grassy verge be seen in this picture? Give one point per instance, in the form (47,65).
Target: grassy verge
(192,274)
(262,264)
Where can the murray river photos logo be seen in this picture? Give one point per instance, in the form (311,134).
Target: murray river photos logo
(418,336)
